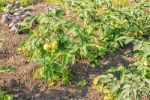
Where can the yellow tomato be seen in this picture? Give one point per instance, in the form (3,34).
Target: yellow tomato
(146,63)
(54,45)
(46,47)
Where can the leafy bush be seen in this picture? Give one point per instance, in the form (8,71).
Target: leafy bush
(122,83)
(57,44)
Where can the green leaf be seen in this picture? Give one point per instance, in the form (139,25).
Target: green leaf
(115,87)
(82,83)
(114,69)
(8,97)
(40,61)
(7,69)
(105,80)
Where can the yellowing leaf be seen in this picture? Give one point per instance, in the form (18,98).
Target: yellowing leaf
(50,84)
(95,81)
(38,73)
(55,77)
(108,97)
(106,90)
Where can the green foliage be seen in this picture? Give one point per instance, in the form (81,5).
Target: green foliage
(125,83)
(7,69)
(54,1)
(2,3)
(120,25)
(82,83)
(5,97)
(27,2)
(58,43)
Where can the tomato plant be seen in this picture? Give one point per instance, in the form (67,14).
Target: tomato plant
(59,43)
(129,83)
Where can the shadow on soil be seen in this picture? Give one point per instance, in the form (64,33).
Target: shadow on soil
(80,71)
(21,92)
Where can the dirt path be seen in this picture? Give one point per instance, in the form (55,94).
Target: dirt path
(24,86)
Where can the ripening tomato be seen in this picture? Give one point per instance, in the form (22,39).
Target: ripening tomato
(54,45)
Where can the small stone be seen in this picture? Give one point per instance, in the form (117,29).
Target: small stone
(37,95)
(10,6)
(16,13)
(17,19)
(15,27)
(3,20)
(28,13)
(7,10)
(17,2)
(4,15)
(21,8)
(11,24)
